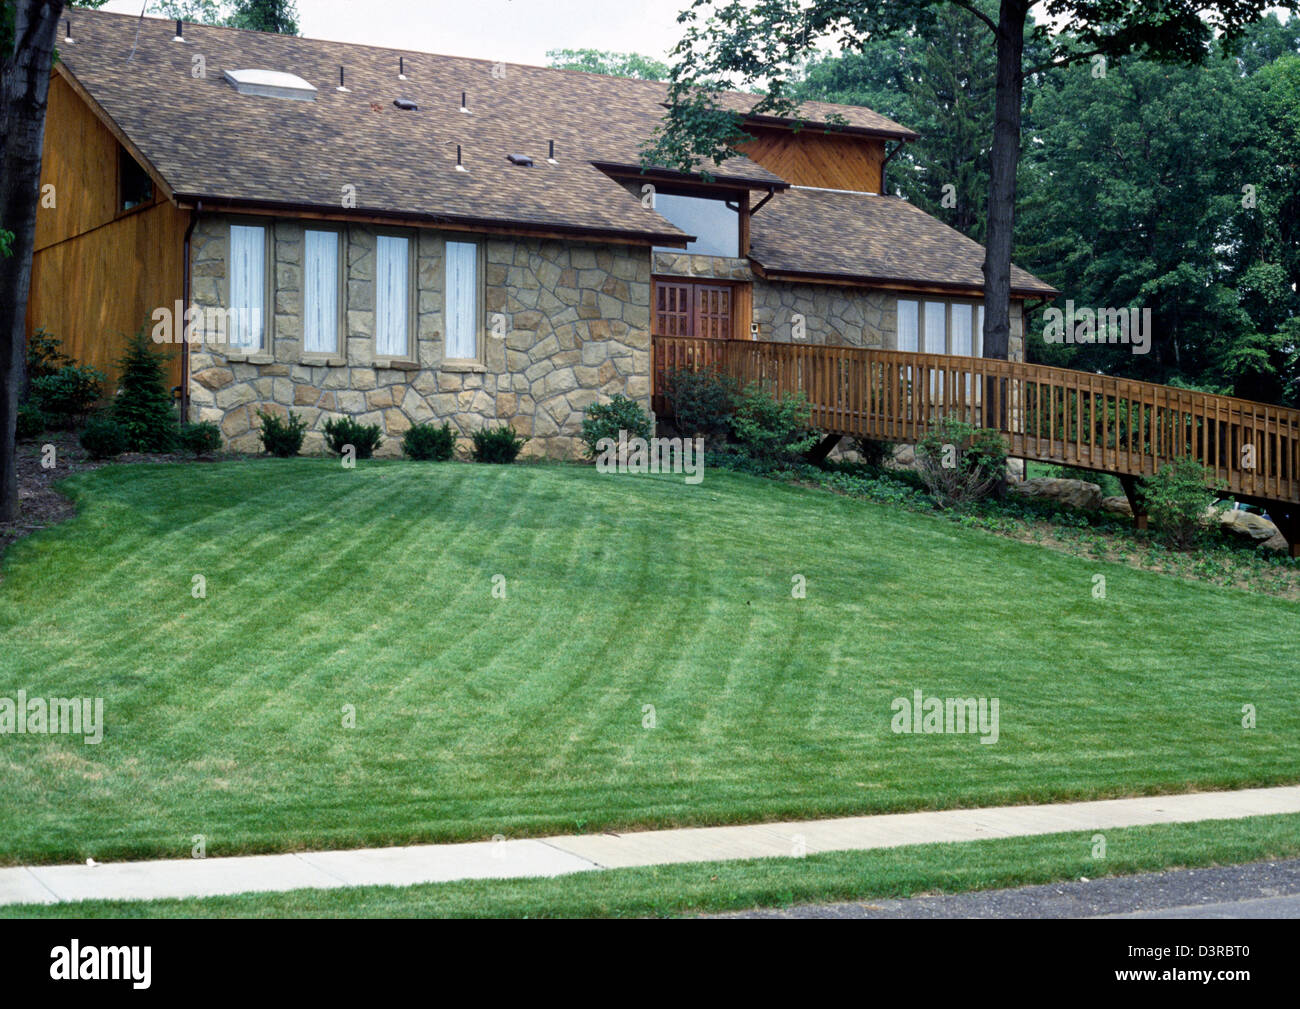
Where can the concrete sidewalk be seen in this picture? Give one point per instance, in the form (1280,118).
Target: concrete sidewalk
(556,856)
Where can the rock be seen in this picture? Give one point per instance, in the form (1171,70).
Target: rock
(1072,493)
(1245,523)
(1117,506)
(1276,542)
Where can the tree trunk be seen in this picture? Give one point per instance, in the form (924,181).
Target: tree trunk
(1004,159)
(24,87)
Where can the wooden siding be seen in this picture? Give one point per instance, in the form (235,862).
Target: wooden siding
(97,275)
(826,160)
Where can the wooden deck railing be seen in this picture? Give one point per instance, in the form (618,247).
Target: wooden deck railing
(1048,414)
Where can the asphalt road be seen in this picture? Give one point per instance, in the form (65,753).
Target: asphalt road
(1256,890)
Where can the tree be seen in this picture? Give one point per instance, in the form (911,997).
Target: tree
(742,44)
(599,61)
(279,16)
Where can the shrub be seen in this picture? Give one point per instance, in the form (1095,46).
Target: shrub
(44,356)
(202,438)
(606,420)
(69,394)
(960,463)
(143,405)
(1177,499)
(424,441)
(701,402)
(104,438)
(340,432)
(282,436)
(874,453)
(497,444)
(31,421)
(772,431)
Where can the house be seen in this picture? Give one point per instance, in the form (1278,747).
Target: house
(340,229)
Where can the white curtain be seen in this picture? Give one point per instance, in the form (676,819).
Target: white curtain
(906,325)
(392,296)
(936,327)
(247,286)
(462,301)
(979,332)
(962,323)
(320,310)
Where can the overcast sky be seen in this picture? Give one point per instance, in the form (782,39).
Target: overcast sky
(514,31)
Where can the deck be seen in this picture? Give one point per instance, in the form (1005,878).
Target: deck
(1045,414)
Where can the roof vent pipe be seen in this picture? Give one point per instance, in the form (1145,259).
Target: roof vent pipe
(180,31)
(459,166)
(67,32)
(463,106)
(550,158)
(342,86)
(401,68)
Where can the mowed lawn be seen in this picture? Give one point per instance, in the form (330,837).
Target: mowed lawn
(478,715)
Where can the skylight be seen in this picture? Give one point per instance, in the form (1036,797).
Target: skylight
(271,84)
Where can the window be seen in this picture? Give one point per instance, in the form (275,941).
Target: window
(691,308)
(962,330)
(320,310)
(462,301)
(247,287)
(393,296)
(907,325)
(715,225)
(936,327)
(135,187)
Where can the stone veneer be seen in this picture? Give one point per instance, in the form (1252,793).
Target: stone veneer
(567,323)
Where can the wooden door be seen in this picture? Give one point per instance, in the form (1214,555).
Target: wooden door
(690,308)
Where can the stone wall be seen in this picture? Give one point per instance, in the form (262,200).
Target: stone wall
(566,324)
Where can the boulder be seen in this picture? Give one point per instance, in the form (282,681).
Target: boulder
(1072,493)
(1244,523)
(1117,506)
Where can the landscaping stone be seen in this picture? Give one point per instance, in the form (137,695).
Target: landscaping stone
(1117,506)
(1071,493)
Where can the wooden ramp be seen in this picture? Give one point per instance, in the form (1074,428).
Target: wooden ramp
(1046,414)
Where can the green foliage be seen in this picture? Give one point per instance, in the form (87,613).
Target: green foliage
(1177,499)
(424,441)
(280,16)
(606,420)
(282,436)
(599,61)
(6,243)
(104,438)
(773,431)
(340,432)
(497,444)
(701,402)
(202,438)
(874,453)
(960,463)
(69,393)
(44,356)
(143,406)
(31,421)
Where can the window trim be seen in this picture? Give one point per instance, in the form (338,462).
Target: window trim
(340,355)
(477,362)
(265,354)
(921,302)
(411,357)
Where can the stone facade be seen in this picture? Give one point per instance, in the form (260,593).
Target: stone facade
(566,323)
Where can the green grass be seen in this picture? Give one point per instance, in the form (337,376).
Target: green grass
(768,882)
(478,716)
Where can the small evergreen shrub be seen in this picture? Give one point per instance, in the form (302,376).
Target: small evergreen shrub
(282,436)
(69,394)
(606,420)
(772,431)
(31,421)
(874,453)
(1178,499)
(340,432)
(202,438)
(960,463)
(497,444)
(426,442)
(44,356)
(701,402)
(104,438)
(143,405)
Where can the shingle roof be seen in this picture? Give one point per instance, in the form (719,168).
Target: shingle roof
(864,237)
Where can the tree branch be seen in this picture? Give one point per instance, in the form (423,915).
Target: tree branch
(978,13)
(1063,62)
